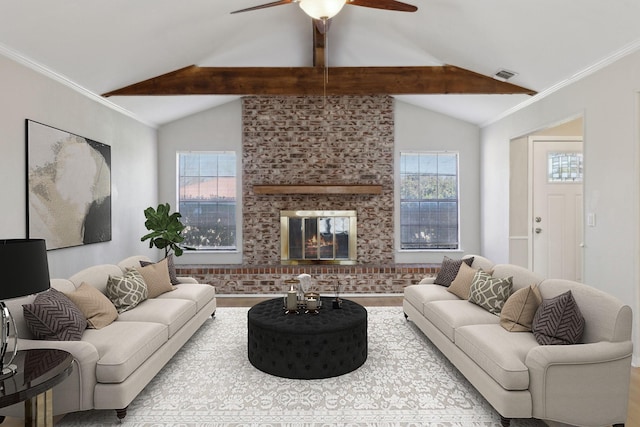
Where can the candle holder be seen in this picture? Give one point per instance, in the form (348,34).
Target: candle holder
(291,299)
(337,302)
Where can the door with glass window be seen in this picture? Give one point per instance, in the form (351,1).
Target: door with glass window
(557,207)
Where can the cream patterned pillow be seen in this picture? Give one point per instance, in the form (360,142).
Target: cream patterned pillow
(95,306)
(519,310)
(156,277)
(461,285)
(489,292)
(127,291)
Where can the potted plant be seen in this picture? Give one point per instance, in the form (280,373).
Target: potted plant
(165,229)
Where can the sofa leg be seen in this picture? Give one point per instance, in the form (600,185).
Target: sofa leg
(406,316)
(121,413)
(619,425)
(1,419)
(505,422)
(213,314)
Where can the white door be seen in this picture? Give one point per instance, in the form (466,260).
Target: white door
(557,207)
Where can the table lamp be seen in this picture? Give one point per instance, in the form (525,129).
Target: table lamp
(25,271)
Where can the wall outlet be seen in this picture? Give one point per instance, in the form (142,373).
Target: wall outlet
(591,219)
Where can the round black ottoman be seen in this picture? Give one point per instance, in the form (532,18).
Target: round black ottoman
(307,346)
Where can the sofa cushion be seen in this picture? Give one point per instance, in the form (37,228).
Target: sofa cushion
(498,352)
(136,342)
(449,315)
(419,295)
(518,312)
(96,307)
(520,276)
(199,293)
(126,291)
(156,277)
(489,292)
(52,316)
(173,313)
(462,283)
(558,321)
(96,276)
(449,270)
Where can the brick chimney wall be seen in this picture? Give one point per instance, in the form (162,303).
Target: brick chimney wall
(317,140)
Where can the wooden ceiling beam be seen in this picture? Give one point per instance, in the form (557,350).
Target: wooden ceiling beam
(195,80)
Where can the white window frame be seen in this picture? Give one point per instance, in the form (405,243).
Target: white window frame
(237,216)
(458,201)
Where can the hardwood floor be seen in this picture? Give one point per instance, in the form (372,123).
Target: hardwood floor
(633,417)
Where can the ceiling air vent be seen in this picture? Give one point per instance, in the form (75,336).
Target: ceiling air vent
(504,75)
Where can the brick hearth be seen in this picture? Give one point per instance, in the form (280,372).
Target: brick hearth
(235,279)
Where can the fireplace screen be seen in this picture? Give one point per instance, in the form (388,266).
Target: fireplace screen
(318,237)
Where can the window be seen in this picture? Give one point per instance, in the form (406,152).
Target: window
(565,167)
(207,199)
(429,200)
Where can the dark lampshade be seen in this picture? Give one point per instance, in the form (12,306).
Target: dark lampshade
(24,266)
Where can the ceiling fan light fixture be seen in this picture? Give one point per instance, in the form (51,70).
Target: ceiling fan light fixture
(322,9)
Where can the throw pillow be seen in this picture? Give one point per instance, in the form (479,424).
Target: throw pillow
(490,292)
(127,291)
(172,269)
(449,270)
(52,316)
(558,321)
(95,306)
(462,283)
(156,277)
(519,310)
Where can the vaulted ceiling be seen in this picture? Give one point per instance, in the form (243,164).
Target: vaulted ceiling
(105,45)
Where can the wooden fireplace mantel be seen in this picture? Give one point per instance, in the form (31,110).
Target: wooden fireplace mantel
(318,189)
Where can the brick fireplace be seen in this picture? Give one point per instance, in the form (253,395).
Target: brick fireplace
(345,141)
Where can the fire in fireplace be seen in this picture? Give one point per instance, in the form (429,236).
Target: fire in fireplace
(318,237)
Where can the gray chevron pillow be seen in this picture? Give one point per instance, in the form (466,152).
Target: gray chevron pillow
(52,316)
(558,321)
(127,291)
(449,270)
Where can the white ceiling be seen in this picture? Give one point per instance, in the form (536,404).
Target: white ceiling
(102,45)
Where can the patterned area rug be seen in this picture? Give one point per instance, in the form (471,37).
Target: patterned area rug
(210,382)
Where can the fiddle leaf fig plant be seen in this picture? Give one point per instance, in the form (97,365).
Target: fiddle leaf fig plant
(165,227)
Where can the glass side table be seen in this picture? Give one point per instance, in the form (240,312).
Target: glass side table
(38,371)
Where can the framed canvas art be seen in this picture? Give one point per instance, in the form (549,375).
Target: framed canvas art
(68,187)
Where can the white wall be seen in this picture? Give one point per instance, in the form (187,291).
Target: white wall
(608,100)
(217,129)
(420,129)
(27,94)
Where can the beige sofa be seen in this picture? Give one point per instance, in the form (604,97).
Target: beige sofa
(584,384)
(113,364)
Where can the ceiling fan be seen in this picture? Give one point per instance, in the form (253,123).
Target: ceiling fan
(327,9)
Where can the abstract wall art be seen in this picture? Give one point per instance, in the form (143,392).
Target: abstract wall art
(68,187)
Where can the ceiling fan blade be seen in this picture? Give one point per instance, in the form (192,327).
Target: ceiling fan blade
(264,6)
(384,4)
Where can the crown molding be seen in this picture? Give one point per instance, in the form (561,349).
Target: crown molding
(47,72)
(603,63)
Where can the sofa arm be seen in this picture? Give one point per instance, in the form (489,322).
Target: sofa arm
(582,384)
(427,281)
(80,350)
(185,279)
